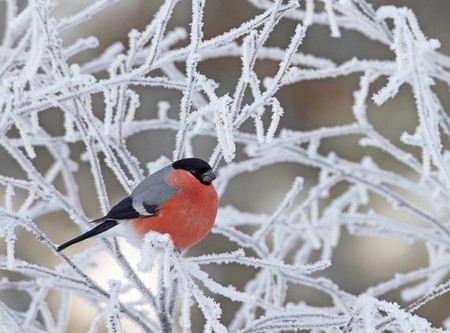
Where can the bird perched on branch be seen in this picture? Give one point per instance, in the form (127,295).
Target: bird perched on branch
(179,200)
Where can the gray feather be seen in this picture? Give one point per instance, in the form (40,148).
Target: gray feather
(153,190)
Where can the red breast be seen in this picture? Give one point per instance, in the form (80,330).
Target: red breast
(188,216)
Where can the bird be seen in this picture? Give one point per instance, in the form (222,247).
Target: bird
(179,200)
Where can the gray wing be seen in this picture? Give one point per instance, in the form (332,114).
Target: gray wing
(146,198)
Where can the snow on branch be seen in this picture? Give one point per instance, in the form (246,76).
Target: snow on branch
(74,133)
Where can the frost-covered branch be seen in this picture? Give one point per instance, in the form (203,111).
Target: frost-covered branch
(74,133)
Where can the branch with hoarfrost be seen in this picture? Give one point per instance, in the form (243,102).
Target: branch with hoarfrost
(63,122)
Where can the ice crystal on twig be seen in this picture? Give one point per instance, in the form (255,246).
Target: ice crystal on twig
(99,103)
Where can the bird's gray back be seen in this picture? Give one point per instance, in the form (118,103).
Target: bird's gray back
(154,190)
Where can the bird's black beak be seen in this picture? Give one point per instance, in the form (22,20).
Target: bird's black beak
(208,177)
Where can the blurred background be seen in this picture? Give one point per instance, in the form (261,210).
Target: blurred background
(358,262)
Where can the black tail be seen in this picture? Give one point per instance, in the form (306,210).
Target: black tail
(108,224)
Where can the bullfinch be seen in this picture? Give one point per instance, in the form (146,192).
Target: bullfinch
(179,200)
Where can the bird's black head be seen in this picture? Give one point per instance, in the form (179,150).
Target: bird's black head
(198,168)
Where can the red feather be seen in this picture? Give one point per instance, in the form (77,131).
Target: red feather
(188,216)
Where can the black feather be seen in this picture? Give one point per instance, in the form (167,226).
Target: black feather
(150,209)
(123,210)
(108,224)
(191,164)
